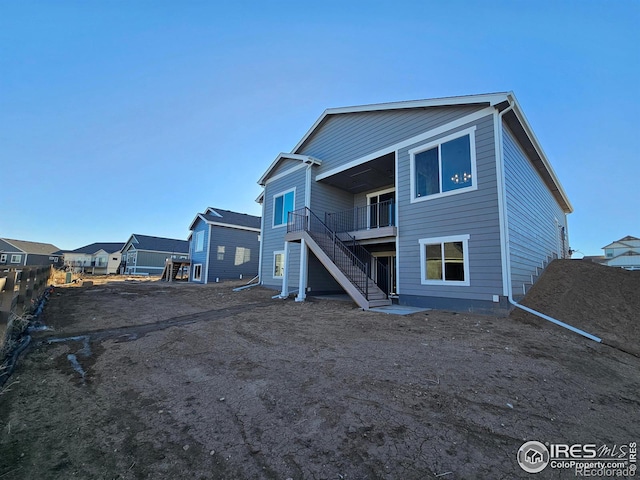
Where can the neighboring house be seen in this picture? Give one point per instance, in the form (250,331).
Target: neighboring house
(146,255)
(623,253)
(97,258)
(16,253)
(443,203)
(223,245)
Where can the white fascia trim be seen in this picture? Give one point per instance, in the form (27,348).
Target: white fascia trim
(212,212)
(465,260)
(18,249)
(273,210)
(490,98)
(284,174)
(536,144)
(260,198)
(410,141)
(397,228)
(502,219)
(193,222)
(305,159)
(474,170)
(230,225)
(206,278)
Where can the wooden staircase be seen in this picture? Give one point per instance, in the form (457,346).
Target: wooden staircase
(351,270)
(172,267)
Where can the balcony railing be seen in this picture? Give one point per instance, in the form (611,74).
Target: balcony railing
(375,215)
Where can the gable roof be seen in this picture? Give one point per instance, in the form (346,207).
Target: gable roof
(304,159)
(109,247)
(157,244)
(33,248)
(227,218)
(622,242)
(501,101)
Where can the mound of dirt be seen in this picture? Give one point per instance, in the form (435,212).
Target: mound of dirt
(603,301)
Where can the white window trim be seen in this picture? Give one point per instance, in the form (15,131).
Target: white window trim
(273,266)
(198,279)
(199,233)
(376,194)
(16,258)
(474,171)
(273,209)
(3,257)
(465,259)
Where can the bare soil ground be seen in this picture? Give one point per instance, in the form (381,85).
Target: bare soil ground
(187,381)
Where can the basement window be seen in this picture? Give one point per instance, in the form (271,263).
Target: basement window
(444,260)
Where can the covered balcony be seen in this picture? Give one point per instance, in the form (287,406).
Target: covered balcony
(373,221)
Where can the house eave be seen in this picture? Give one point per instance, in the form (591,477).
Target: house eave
(287,156)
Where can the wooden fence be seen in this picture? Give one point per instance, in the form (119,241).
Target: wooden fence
(18,286)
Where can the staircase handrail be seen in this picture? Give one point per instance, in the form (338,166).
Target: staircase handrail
(302,219)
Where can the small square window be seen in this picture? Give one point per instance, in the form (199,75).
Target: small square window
(16,258)
(444,260)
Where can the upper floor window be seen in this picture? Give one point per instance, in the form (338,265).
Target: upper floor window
(16,258)
(3,257)
(444,167)
(199,241)
(283,203)
(608,252)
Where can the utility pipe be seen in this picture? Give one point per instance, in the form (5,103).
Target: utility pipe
(508,253)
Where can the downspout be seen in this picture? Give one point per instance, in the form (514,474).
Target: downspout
(508,253)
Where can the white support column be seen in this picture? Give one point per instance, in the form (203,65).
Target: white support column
(302,285)
(285,275)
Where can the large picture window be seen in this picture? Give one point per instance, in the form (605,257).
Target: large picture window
(444,260)
(445,167)
(283,203)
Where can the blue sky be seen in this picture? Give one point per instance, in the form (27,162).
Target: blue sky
(130,117)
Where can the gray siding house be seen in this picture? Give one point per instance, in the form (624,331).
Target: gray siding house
(146,255)
(223,245)
(16,253)
(443,203)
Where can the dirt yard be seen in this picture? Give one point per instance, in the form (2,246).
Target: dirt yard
(173,381)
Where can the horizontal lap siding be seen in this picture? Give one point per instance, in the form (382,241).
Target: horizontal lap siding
(234,261)
(531,214)
(199,257)
(328,199)
(273,238)
(474,213)
(152,259)
(284,165)
(349,136)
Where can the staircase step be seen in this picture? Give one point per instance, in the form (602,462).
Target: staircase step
(379,303)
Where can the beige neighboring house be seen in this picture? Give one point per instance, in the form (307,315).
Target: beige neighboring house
(623,253)
(96,258)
